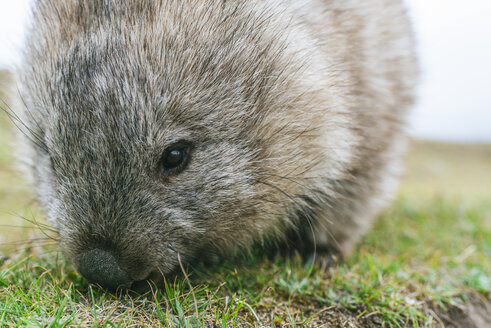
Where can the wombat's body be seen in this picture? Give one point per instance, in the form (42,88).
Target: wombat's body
(287,115)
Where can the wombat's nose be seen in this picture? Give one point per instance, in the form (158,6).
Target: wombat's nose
(101,267)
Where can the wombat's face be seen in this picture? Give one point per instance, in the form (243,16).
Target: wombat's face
(159,146)
(141,178)
(138,178)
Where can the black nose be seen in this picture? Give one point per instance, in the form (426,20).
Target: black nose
(102,268)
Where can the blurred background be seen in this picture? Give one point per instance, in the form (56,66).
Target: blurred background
(450,124)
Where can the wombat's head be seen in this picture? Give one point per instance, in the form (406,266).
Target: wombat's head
(167,133)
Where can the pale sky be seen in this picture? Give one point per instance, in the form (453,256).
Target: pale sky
(454,44)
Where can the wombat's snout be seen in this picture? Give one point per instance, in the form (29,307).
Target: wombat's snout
(101,267)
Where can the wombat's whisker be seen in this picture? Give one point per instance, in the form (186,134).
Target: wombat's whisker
(23,126)
(28,110)
(289,178)
(292,198)
(16,226)
(37,242)
(43,227)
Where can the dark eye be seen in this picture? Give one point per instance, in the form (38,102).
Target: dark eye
(175,158)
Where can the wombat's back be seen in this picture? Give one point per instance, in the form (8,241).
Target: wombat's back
(370,49)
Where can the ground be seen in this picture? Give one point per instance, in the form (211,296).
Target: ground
(425,263)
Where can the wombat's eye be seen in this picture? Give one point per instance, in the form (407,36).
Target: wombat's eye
(175,158)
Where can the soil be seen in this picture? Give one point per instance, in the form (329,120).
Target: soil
(475,312)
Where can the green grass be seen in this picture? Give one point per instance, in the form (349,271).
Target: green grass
(428,252)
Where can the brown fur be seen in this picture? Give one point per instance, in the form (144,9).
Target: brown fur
(295,110)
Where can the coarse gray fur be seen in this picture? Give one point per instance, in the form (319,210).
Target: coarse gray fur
(294,109)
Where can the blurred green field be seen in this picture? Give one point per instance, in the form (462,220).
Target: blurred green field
(16,198)
(424,260)
(446,169)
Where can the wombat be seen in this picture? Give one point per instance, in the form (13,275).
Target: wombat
(163,132)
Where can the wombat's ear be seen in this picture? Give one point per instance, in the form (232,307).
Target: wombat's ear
(175,158)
